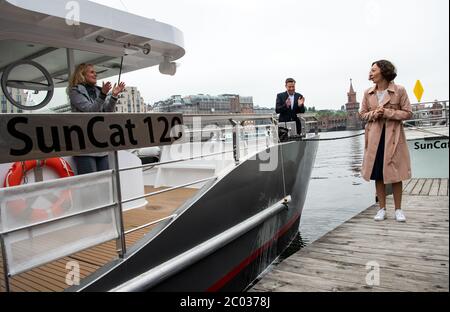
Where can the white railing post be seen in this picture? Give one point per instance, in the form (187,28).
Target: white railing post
(236,141)
(120,243)
(446,113)
(5,264)
(276,137)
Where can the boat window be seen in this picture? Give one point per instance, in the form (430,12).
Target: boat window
(55,61)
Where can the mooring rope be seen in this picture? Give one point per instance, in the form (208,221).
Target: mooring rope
(335,139)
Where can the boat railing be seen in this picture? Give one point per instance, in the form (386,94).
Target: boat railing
(95,208)
(430,114)
(73,214)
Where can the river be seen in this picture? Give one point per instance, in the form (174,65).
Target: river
(336,191)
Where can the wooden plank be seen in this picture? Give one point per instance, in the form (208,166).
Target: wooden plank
(356,273)
(363,259)
(405,184)
(284,281)
(409,259)
(443,188)
(418,187)
(49,281)
(31,285)
(434,190)
(410,186)
(413,256)
(426,187)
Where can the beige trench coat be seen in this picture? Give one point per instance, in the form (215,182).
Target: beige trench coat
(397,163)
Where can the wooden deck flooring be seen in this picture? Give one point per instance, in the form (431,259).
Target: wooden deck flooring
(411,256)
(52,276)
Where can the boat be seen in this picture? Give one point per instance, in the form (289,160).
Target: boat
(428,140)
(202,215)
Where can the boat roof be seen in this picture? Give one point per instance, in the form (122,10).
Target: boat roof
(43,31)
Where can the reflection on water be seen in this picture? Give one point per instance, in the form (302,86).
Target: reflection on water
(336,191)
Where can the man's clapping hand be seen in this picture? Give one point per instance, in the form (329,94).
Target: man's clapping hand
(288,102)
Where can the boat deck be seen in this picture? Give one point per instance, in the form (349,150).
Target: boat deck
(425,132)
(52,276)
(411,256)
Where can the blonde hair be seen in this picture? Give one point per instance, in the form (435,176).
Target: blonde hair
(78,77)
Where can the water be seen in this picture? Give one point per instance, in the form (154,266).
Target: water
(336,192)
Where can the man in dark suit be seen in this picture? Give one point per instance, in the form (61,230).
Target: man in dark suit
(289,104)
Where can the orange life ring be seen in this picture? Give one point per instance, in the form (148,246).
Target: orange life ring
(18,169)
(14,177)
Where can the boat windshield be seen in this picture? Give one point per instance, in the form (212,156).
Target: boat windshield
(27,84)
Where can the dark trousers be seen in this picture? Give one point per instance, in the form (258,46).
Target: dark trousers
(88,164)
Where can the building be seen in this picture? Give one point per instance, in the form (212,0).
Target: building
(333,122)
(263,110)
(354,122)
(311,122)
(206,104)
(240,104)
(6,107)
(437,109)
(130,101)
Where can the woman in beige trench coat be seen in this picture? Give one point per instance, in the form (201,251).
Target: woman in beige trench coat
(386,156)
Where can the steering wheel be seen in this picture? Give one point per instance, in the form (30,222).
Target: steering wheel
(27,85)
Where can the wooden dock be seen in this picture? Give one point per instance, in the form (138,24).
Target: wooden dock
(411,256)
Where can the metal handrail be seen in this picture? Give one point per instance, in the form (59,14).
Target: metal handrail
(5,263)
(225,117)
(180,262)
(167,190)
(152,165)
(227,128)
(432,102)
(429,110)
(427,119)
(172,161)
(149,224)
(57,219)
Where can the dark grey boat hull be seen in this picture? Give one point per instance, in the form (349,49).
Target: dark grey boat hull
(241,194)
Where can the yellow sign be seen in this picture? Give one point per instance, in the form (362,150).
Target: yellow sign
(418,90)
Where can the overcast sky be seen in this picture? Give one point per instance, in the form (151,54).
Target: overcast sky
(249,47)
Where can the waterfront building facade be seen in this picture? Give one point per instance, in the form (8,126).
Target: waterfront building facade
(130,101)
(206,104)
(6,107)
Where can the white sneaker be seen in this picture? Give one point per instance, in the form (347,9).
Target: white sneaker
(399,216)
(381,215)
